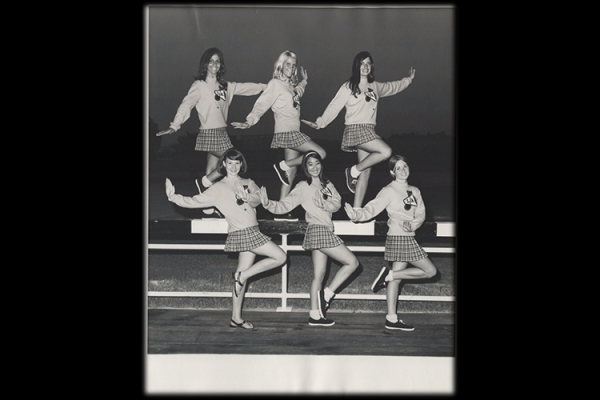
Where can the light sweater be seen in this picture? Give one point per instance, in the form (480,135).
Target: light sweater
(284,101)
(222,195)
(358,110)
(303,195)
(212,113)
(391,198)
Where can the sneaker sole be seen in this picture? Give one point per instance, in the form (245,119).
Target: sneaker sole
(399,329)
(279,175)
(377,279)
(321,324)
(349,188)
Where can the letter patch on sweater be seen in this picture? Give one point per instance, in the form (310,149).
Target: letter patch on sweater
(370,95)
(296,99)
(409,201)
(220,94)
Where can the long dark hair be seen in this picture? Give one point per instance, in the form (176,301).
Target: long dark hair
(203,67)
(313,154)
(355,78)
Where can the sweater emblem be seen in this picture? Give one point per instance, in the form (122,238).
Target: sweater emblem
(370,95)
(220,95)
(296,99)
(409,200)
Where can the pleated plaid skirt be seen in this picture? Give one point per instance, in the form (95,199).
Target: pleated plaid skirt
(245,239)
(403,248)
(320,236)
(213,140)
(357,134)
(287,140)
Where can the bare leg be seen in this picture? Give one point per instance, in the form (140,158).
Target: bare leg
(212,162)
(319,260)
(369,154)
(347,258)
(363,181)
(245,261)
(424,269)
(393,287)
(291,156)
(274,257)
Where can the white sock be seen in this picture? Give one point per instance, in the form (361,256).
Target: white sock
(284,166)
(328,293)
(206,182)
(392,317)
(390,276)
(314,314)
(354,172)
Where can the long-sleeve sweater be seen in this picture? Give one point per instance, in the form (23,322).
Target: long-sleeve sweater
(222,195)
(392,198)
(284,101)
(358,109)
(212,113)
(303,195)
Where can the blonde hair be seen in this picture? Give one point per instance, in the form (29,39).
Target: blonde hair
(278,67)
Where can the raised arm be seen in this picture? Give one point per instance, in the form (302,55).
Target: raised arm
(386,89)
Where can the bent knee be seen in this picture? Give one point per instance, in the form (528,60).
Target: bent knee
(281,258)
(322,153)
(387,152)
(431,272)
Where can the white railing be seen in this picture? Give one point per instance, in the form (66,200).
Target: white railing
(342,228)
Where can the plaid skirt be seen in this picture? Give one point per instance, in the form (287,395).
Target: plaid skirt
(403,248)
(287,140)
(320,236)
(357,134)
(245,239)
(213,140)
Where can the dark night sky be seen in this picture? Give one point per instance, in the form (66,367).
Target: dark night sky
(326,41)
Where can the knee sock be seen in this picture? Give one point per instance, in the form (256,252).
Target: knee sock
(354,172)
(284,166)
(328,293)
(314,314)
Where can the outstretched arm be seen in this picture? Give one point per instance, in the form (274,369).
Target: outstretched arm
(198,201)
(262,104)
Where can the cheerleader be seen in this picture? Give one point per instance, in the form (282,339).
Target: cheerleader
(320,199)
(360,95)
(211,95)
(406,213)
(282,95)
(237,198)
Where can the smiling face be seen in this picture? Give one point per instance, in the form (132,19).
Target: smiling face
(400,171)
(289,67)
(213,66)
(365,67)
(232,167)
(313,167)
